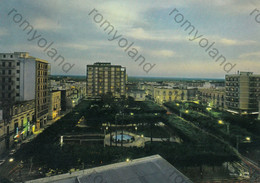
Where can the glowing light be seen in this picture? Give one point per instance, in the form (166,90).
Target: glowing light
(127,160)
(220,122)
(11,160)
(248,138)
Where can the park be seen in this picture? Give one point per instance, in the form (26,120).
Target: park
(189,136)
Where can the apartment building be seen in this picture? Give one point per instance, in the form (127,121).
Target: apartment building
(242,92)
(42,92)
(168,94)
(105,78)
(24,78)
(212,97)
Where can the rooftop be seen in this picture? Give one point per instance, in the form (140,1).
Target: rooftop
(152,169)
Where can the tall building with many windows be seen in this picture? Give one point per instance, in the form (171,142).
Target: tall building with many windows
(24,78)
(103,78)
(242,91)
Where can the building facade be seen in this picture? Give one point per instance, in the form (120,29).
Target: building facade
(105,78)
(41,92)
(242,91)
(19,125)
(24,78)
(55,104)
(168,94)
(212,97)
(137,95)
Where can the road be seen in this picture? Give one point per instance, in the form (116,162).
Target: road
(8,169)
(253,168)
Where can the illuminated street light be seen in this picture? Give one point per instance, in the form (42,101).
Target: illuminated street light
(226,123)
(127,160)
(220,122)
(107,128)
(248,139)
(131,114)
(243,140)
(186,111)
(11,160)
(155,114)
(142,135)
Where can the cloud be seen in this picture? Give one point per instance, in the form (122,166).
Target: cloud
(250,55)
(163,53)
(45,24)
(161,35)
(232,42)
(247,65)
(3,32)
(75,46)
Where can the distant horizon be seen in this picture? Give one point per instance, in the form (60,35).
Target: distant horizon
(163,77)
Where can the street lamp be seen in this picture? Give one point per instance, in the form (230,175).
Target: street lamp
(220,122)
(226,123)
(11,160)
(248,139)
(105,129)
(136,129)
(182,109)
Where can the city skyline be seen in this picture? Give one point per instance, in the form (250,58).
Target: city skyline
(130,91)
(156,35)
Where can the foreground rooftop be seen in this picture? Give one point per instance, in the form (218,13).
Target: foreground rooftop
(152,169)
